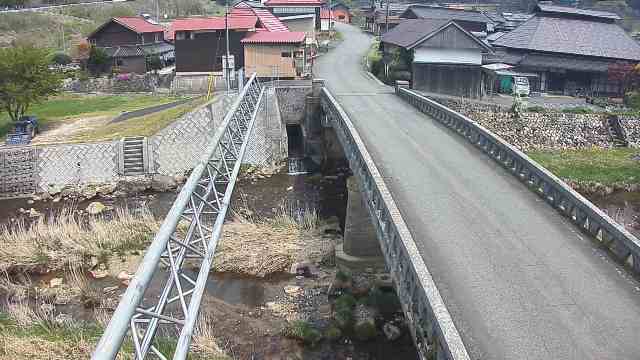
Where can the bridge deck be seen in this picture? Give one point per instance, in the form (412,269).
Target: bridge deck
(520,281)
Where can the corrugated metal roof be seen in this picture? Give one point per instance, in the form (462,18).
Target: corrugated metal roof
(266,18)
(280,37)
(554,9)
(435,12)
(572,36)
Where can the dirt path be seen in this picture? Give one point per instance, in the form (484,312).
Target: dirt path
(62,132)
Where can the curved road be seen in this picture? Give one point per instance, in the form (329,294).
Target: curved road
(519,280)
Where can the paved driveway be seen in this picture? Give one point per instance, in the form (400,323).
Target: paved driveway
(519,280)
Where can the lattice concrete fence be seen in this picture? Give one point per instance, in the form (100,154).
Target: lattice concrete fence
(172,151)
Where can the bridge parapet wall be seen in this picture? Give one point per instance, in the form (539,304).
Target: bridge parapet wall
(552,189)
(432,327)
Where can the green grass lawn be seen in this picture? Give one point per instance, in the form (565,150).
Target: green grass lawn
(606,166)
(139,126)
(67,107)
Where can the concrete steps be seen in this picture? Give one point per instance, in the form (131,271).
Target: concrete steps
(133,155)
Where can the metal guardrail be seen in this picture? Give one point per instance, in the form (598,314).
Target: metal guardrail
(189,234)
(556,192)
(432,327)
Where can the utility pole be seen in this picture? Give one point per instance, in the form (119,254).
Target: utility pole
(386,20)
(64,48)
(227,73)
(157,11)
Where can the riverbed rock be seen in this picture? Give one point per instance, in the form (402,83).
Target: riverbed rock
(56,199)
(33,213)
(365,324)
(54,189)
(96,208)
(133,185)
(303,269)
(391,332)
(292,290)
(98,274)
(163,183)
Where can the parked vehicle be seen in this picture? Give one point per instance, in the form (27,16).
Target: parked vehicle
(521,86)
(25,129)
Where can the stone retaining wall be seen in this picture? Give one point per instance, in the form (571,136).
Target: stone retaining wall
(544,130)
(118,84)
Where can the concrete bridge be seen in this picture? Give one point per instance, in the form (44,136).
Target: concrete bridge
(517,279)
(492,256)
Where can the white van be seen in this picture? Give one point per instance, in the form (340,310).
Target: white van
(521,86)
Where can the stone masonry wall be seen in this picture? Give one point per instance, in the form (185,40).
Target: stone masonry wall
(543,130)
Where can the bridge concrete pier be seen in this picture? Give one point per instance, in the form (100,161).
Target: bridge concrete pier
(360,248)
(312,126)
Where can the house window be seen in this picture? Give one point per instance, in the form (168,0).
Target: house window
(157,37)
(119,62)
(341,17)
(92,42)
(180,35)
(285,54)
(192,35)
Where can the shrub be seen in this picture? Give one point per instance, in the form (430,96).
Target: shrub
(302,331)
(632,99)
(344,306)
(333,333)
(385,301)
(343,276)
(578,110)
(536,109)
(61,59)
(365,331)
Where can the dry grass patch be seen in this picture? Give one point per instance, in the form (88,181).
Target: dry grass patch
(66,242)
(262,248)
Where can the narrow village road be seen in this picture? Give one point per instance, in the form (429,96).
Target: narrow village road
(519,280)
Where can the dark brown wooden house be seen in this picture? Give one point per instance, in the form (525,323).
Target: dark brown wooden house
(200,43)
(130,41)
(442,56)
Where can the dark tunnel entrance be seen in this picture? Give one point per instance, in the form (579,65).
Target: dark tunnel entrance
(295,141)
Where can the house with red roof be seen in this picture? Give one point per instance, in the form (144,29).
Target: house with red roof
(130,41)
(327,19)
(282,8)
(258,41)
(200,42)
(275,54)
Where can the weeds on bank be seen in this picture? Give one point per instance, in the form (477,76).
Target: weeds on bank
(289,216)
(33,332)
(67,242)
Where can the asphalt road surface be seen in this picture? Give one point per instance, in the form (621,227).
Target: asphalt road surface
(519,280)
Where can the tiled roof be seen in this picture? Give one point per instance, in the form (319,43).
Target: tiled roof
(565,62)
(294,2)
(138,50)
(325,14)
(410,31)
(563,10)
(138,24)
(281,37)
(266,18)
(434,12)
(572,36)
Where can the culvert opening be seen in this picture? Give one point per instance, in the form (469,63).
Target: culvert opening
(294,139)
(295,150)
